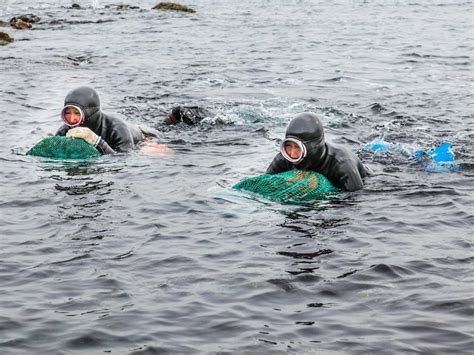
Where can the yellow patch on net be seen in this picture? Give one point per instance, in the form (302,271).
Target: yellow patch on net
(289,187)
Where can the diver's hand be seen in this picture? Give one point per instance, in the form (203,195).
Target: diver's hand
(84,133)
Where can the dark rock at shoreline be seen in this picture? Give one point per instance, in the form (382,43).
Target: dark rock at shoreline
(29,18)
(173,6)
(19,24)
(24,21)
(5,38)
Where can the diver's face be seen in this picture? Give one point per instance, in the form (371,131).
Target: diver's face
(72,116)
(293,150)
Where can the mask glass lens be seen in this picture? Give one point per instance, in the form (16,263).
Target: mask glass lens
(72,115)
(293,150)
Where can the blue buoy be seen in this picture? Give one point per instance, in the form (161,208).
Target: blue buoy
(378,145)
(442,154)
(439,159)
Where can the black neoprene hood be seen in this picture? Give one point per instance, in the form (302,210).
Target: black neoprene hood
(308,128)
(86,98)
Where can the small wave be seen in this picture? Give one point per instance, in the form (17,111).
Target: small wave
(338,79)
(60,22)
(305,255)
(418,55)
(376,107)
(88,187)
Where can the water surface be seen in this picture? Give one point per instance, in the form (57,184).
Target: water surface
(146,254)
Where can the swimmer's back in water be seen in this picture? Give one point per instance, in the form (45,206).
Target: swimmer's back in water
(189,115)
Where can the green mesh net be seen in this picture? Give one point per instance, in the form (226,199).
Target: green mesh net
(294,186)
(61,147)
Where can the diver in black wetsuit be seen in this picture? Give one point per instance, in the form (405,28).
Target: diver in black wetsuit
(190,115)
(304,147)
(83,118)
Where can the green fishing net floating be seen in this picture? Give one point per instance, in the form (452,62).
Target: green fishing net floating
(294,186)
(61,147)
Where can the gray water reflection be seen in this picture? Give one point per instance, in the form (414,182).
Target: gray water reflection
(146,254)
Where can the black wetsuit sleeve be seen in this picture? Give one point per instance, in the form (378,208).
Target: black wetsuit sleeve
(279,165)
(120,140)
(62,130)
(138,134)
(104,148)
(349,176)
(147,132)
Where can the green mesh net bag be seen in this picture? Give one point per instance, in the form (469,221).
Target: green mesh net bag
(61,147)
(294,186)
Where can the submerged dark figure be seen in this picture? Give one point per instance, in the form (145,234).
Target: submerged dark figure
(304,148)
(83,118)
(190,115)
